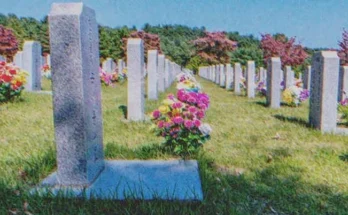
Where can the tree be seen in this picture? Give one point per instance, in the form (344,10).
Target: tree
(8,43)
(343,50)
(290,54)
(151,41)
(214,47)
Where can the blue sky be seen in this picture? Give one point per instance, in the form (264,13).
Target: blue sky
(315,23)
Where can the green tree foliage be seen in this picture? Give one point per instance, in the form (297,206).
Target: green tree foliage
(175,41)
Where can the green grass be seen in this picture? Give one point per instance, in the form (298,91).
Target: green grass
(258,160)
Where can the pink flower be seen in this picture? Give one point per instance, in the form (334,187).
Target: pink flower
(171,97)
(160,124)
(197,123)
(200,114)
(188,124)
(191,99)
(168,124)
(192,109)
(156,114)
(202,106)
(178,120)
(177,105)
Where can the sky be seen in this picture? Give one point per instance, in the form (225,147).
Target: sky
(314,23)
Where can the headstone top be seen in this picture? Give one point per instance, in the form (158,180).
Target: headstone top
(135,41)
(67,8)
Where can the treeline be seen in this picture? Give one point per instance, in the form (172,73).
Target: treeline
(176,40)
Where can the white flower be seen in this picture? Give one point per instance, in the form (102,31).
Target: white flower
(205,129)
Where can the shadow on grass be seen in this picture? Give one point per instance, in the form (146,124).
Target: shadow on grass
(344,157)
(124,110)
(296,120)
(278,188)
(262,103)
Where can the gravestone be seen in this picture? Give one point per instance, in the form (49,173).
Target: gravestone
(136,85)
(222,75)
(273,94)
(228,77)
(237,78)
(250,79)
(82,171)
(76,94)
(31,62)
(300,76)
(160,69)
(152,78)
(48,60)
(167,73)
(307,78)
(324,88)
(108,65)
(343,83)
(289,79)
(213,70)
(120,65)
(18,59)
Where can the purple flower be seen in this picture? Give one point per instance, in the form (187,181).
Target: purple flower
(192,109)
(304,95)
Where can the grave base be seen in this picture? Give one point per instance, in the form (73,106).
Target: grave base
(135,179)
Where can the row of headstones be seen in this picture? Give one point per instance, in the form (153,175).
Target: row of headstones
(324,78)
(161,73)
(31,60)
(109,66)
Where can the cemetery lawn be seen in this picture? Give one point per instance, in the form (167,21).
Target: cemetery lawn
(258,160)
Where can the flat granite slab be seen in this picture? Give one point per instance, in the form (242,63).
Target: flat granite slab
(135,179)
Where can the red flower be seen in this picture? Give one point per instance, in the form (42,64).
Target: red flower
(6,78)
(13,71)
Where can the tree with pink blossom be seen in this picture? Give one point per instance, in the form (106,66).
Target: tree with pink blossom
(214,47)
(343,50)
(290,54)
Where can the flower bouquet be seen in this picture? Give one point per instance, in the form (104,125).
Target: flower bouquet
(12,81)
(179,119)
(295,95)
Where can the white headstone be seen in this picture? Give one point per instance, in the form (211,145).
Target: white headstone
(343,83)
(324,88)
(18,59)
(32,64)
(250,79)
(160,68)
(237,78)
(152,78)
(136,85)
(273,82)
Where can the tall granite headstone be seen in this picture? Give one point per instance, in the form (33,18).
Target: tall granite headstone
(324,88)
(250,79)
(152,78)
(229,76)
(273,95)
(136,84)
(108,65)
(222,75)
(166,73)
(289,77)
(120,65)
(343,83)
(307,78)
(78,125)
(31,62)
(18,59)
(237,78)
(160,68)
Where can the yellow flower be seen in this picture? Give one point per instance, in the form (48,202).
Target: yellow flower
(168,102)
(287,96)
(164,109)
(176,111)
